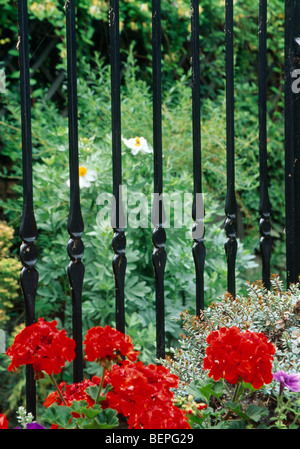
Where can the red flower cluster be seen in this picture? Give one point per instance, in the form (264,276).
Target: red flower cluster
(3,421)
(142,394)
(234,355)
(74,392)
(43,346)
(107,345)
(70,393)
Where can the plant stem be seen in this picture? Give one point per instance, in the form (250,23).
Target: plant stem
(228,390)
(236,396)
(57,389)
(100,386)
(237,392)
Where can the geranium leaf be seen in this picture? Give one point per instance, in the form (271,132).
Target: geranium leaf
(255,412)
(59,415)
(93,393)
(105,419)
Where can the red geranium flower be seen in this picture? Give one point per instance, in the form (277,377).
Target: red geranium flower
(3,422)
(130,388)
(161,415)
(107,345)
(43,346)
(234,355)
(142,394)
(73,392)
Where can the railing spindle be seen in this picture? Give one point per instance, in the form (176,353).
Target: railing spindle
(230,205)
(264,205)
(292,139)
(159,255)
(75,222)
(28,230)
(297,134)
(118,220)
(289,144)
(197,210)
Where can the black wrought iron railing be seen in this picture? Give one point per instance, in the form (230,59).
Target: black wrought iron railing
(75,225)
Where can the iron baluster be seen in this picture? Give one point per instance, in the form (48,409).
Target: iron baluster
(230,205)
(292,139)
(118,219)
(28,229)
(75,224)
(289,144)
(296,93)
(197,208)
(264,205)
(159,255)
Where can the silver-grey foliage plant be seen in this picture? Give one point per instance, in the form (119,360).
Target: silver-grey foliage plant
(275,313)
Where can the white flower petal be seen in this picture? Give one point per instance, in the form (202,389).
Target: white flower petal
(91,175)
(137,144)
(130,143)
(146,149)
(135,151)
(83,182)
(86,179)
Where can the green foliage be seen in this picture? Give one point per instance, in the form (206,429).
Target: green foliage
(50,155)
(47,19)
(275,313)
(91,418)
(9,275)
(231,413)
(51,203)
(287,413)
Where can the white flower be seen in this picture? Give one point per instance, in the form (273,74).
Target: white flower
(86,176)
(137,144)
(144,7)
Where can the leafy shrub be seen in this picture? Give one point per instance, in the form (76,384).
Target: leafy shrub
(48,33)
(9,275)
(11,311)
(48,23)
(274,313)
(51,198)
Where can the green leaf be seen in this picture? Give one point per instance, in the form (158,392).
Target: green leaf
(206,388)
(93,392)
(83,408)
(49,160)
(236,424)
(255,412)
(90,417)
(105,419)
(59,415)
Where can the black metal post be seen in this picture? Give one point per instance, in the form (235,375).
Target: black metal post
(28,229)
(230,205)
(75,222)
(198,207)
(118,220)
(292,139)
(264,205)
(297,134)
(159,256)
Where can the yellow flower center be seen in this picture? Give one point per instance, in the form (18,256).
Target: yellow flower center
(82,171)
(137,142)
